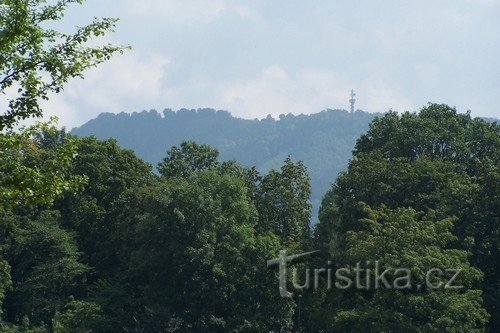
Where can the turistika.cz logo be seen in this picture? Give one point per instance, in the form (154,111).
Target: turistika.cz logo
(366,275)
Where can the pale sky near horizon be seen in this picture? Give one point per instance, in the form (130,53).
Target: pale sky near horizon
(255,58)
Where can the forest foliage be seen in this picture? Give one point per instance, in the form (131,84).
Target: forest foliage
(184,250)
(322,141)
(92,239)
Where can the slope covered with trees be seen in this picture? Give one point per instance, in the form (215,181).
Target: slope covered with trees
(121,248)
(93,240)
(323,141)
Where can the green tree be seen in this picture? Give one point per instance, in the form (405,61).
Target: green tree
(434,161)
(283,204)
(34,163)
(189,158)
(45,267)
(461,157)
(436,132)
(281,196)
(418,242)
(31,171)
(110,171)
(190,250)
(5,282)
(35,168)
(78,317)
(36,60)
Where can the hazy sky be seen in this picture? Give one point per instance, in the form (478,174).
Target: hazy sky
(255,58)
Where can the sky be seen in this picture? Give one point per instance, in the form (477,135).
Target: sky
(255,58)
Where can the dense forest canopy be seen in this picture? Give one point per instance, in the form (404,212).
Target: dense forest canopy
(182,250)
(95,239)
(323,141)
(422,189)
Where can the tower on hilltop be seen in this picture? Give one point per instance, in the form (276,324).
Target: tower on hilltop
(352,100)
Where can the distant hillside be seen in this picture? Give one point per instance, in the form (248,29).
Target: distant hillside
(324,140)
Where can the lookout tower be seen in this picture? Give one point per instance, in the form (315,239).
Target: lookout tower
(352,100)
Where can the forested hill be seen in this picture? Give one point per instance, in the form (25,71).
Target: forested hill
(323,141)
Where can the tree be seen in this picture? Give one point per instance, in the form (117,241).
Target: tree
(35,60)
(189,158)
(5,282)
(110,171)
(32,172)
(435,161)
(436,132)
(453,169)
(34,163)
(283,203)
(417,242)
(35,168)
(190,250)
(282,197)
(45,268)
(78,317)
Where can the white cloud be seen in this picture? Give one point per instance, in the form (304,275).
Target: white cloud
(126,83)
(184,12)
(427,72)
(130,84)
(274,91)
(400,59)
(375,95)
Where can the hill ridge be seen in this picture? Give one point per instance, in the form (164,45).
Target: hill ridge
(323,140)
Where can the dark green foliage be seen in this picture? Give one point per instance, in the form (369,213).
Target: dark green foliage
(5,280)
(436,132)
(111,171)
(191,257)
(186,251)
(283,204)
(176,253)
(435,162)
(44,266)
(79,317)
(323,141)
(405,238)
